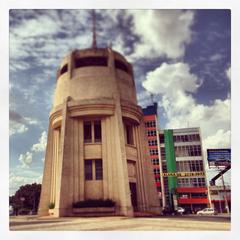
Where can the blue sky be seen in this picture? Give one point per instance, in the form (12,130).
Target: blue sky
(180,56)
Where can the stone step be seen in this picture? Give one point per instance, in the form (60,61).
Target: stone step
(144,214)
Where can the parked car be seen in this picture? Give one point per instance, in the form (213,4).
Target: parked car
(171,211)
(207,211)
(168,211)
(180,210)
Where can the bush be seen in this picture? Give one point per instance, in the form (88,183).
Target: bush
(94,203)
(51,205)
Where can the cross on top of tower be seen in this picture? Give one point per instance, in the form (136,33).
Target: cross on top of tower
(94,42)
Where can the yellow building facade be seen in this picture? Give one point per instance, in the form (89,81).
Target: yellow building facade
(96,146)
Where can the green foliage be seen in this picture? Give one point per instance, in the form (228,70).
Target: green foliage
(30,195)
(94,203)
(51,205)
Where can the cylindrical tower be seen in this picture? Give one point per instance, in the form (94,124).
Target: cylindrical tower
(96,143)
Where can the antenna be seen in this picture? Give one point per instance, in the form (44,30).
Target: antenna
(152,96)
(94,42)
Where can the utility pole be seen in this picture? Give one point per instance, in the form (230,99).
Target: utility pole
(224,194)
(94,42)
(152,96)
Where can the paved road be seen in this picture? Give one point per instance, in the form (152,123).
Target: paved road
(184,223)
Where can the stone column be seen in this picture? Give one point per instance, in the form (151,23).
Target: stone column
(81,160)
(46,182)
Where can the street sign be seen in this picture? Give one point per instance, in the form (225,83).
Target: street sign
(183,174)
(219,157)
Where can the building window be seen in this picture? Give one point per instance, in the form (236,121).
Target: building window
(152,142)
(64,69)
(190,166)
(87,131)
(185,151)
(155,161)
(92,131)
(93,169)
(162,138)
(98,169)
(186,138)
(164,167)
(156,171)
(157,179)
(191,182)
(129,134)
(88,169)
(97,131)
(122,66)
(153,152)
(163,153)
(150,124)
(151,133)
(90,61)
(199,195)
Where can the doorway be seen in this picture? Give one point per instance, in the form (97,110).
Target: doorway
(133,191)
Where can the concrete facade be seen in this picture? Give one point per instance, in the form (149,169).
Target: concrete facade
(95,90)
(181,153)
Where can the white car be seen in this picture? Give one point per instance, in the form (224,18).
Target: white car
(180,210)
(207,211)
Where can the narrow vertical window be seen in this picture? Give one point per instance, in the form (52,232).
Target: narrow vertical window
(129,133)
(97,131)
(88,169)
(98,169)
(87,132)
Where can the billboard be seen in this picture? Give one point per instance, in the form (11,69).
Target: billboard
(219,157)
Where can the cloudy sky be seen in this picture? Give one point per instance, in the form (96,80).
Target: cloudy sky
(180,56)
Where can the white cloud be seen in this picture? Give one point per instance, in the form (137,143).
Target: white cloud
(41,145)
(26,159)
(228,73)
(17,128)
(162,32)
(19,124)
(169,78)
(31,121)
(42,25)
(37,37)
(221,139)
(176,84)
(144,98)
(25,177)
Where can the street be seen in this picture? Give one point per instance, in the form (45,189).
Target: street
(162,223)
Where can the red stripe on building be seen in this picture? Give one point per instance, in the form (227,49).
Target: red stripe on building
(192,200)
(149,118)
(193,190)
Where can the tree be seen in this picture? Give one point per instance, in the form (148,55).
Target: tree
(26,197)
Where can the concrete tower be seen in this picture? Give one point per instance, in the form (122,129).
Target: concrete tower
(96,145)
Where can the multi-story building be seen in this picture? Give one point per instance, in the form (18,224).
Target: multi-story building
(183,167)
(151,123)
(220,196)
(177,163)
(96,145)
